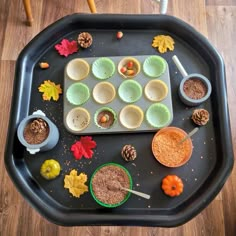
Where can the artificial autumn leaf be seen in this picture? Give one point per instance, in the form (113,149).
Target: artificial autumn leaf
(50,90)
(76,183)
(163,42)
(65,48)
(83,148)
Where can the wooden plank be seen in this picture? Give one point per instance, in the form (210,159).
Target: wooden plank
(192,12)
(220,2)
(9,201)
(222,32)
(199,225)
(17,34)
(4,10)
(223,37)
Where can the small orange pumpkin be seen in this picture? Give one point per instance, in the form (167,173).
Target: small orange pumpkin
(172,185)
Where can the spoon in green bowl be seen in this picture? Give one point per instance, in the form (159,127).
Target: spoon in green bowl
(116,186)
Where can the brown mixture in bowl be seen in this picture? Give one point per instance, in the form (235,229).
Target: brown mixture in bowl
(195,88)
(36,131)
(106,184)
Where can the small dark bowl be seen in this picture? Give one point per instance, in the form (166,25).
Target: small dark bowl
(194,102)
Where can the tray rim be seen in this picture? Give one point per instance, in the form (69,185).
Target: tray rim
(18,111)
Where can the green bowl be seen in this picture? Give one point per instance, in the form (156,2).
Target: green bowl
(77,93)
(130,91)
(158,115)
(103,68)
(154,66)
(127,195)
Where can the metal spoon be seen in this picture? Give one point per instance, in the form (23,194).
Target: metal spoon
(144,195)
(115,185)
(188,135)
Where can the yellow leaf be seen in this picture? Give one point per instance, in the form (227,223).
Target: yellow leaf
(76,183)
(50,90)
(162,43)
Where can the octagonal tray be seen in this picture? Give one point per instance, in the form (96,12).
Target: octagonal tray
(203,176)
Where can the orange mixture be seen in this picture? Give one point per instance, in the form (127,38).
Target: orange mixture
(168,151)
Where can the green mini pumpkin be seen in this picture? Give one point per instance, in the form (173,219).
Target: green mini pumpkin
(50,169)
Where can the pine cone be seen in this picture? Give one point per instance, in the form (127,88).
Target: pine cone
(38,126)
(85,39)
(128,152)
(200,116)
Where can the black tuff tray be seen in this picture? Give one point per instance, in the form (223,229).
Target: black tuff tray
(203,176)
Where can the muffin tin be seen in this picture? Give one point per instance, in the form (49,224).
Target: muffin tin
(132,98)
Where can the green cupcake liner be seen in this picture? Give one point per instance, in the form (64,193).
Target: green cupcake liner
(103,68)
(158,115)
(130,91)
(154,66)
(78,93)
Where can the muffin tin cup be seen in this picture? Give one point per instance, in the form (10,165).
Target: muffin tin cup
(104,109)
(104,92)
(117,104)
(103,68)
(77,119)
(130,91)
(154,66)
(131,117)
(158,115)
(124,64)
(77,69)
(77,94)
(156,90)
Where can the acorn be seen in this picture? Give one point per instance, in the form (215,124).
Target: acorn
(104,118)
(43,65)
(119,35)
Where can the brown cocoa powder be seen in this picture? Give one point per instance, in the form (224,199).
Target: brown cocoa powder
(36,134)
(110,121)
(106,182)
(195,88)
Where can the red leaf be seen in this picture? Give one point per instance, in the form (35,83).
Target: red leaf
(66,47)
(83,147)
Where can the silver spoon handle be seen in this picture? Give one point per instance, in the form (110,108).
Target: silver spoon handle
(144,195)
(189,135)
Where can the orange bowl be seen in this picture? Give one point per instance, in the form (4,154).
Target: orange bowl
(168,150)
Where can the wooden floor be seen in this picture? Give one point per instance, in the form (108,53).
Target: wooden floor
(213,18)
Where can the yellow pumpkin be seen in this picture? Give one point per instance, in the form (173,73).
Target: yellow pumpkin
(172,185)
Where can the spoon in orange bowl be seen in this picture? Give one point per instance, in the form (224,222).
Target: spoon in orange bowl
(188,136)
